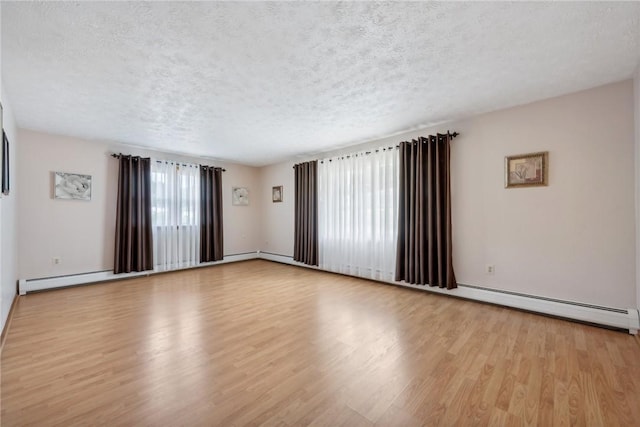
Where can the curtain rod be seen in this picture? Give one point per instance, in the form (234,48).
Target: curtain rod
(453,135)
(117,156)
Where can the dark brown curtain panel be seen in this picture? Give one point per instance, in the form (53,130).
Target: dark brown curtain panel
(306,213)
(211,242)
(424,254)
(134,247)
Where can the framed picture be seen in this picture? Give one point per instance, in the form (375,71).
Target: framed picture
(526,170)
(5,164)
(72,186)
(2,157)
(276,194)
(240,196)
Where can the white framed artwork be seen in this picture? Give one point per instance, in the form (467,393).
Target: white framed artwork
(240,196)
(72,186)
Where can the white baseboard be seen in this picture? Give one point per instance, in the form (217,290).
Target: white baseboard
(284,259)
(615,317)
(32,285)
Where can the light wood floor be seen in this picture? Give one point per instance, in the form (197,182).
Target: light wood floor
(262,343)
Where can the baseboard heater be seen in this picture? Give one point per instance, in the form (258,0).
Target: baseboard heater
(628,319)
(42,284)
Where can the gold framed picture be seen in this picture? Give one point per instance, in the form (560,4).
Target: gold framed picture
(276,194)
(526,170)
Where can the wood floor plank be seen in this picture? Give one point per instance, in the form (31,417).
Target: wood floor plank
(260,343)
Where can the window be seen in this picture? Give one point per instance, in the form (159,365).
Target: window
(175,211)
(357,214)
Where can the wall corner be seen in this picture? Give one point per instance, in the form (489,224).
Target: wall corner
(636,115)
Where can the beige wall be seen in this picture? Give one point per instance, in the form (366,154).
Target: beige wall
(82,233)
(573,240)
(277,218)
(8,209)
(636,98)
(9,218)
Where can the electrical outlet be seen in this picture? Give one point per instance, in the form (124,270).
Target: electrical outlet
(490,269)
(55,260)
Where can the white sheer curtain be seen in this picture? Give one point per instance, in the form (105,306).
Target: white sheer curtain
(358,214)
(175,214)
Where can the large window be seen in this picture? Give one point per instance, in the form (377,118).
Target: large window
(175,210)
(357,214)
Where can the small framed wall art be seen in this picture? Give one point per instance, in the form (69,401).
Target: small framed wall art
(526,170)
(72,186)
(240,196)
(276,194)
(6,175)
(4,158)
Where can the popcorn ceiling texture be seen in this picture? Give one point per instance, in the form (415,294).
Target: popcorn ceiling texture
(256,83)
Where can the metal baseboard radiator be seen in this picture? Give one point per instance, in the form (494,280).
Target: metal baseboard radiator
(45,283)
(621,318)
(628,319)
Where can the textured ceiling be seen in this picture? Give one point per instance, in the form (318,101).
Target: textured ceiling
(260,82)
